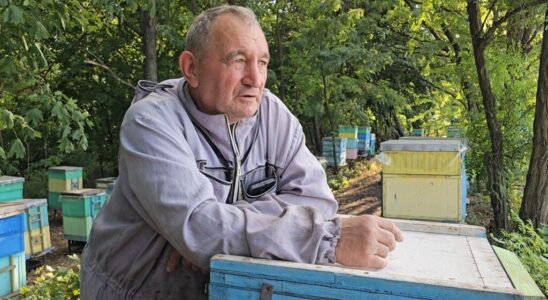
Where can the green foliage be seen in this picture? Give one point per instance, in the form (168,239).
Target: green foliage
(55,283)
(338,181)
(341,179)
(68,67)
(32,114)
(531,247)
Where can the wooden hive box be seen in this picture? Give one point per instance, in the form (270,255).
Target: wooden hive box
(80,207)
(13,274)
(364,140)
(77,229)
(436,261)
(372,144)
(11,228)
(60,179)
(37,231)
(102,183)
(424,179)
(350,132)
(82,203)
(11,188)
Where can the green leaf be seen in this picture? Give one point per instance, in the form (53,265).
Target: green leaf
(40,31)
(34,116)
(2,153)
(8,119)
(57,111)
(44,60)
(13,15)
(30,132)
(62,21)
(25,43)
(17,149)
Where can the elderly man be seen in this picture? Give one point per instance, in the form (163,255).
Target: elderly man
(215,163)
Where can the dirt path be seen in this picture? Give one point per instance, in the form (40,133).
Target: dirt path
(363,193)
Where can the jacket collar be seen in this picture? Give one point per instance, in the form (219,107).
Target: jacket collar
(216,125)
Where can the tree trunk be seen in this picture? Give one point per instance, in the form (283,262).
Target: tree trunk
(535,197)
(317,134)
(397,124)
(148,28)
(193,7)
(494,159)
(471,104)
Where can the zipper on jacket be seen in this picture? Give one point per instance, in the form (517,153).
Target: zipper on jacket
(235,190)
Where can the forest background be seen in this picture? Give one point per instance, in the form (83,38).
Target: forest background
(68,70)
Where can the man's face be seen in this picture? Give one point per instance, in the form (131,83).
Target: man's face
(231,75)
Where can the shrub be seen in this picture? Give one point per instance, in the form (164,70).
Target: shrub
(55,283)
(530,247)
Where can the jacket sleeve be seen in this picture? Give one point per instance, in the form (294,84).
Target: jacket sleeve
(178,202)
(302,184)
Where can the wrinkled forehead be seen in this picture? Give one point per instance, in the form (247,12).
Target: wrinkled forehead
(230,27)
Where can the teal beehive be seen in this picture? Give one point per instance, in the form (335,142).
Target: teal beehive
(82,203)
(12,274)
(80,207)
(11,188)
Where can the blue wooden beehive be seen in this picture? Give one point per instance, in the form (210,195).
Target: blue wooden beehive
(340,150)
(364,140)
(435,261)
(12,248)
(11,235)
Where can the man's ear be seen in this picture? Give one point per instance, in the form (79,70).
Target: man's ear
(188,64)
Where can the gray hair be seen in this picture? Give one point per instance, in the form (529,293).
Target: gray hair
(199,34)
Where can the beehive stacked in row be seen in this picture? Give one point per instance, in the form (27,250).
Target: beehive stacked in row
(339,158)
(106,184)
(360,141)
(78,205)
(350,133)
(61,179)
(24,233)
(12,253)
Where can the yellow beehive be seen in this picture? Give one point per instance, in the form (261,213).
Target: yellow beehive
(422,163)
(64,178)
(422,197)
(424,179)
(37,241)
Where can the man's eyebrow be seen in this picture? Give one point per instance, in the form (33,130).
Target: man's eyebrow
(232,54)
(235,53)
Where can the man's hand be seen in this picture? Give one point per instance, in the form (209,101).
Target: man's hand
(366,241)
(175,258)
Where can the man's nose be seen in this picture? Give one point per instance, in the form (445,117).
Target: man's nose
(254,76)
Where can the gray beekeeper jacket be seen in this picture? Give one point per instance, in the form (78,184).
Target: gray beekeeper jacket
(189,181)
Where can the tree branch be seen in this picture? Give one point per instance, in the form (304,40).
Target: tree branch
(437,87)
(491,31)
(100,64)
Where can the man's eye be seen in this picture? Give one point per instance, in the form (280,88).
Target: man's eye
(238,61)
(263,63)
